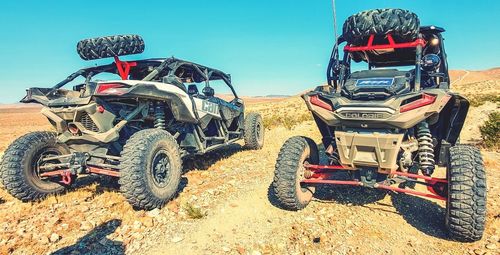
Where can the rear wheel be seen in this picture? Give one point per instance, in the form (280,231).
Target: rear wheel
(20,167)
(289,172)
(254,131)
(150,169)
(466,203)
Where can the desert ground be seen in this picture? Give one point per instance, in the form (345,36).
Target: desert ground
(225,206)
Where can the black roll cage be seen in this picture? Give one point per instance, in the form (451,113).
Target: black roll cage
(165,66)
(339,70)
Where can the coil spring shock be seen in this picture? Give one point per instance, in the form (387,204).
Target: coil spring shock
(425,149)
(159,115)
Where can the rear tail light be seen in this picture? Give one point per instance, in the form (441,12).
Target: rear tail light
(426,99)
(315,100)
(112,88)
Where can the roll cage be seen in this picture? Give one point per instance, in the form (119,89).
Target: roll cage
(152,70)
(385,52)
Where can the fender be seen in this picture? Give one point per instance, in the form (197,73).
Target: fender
(456,110)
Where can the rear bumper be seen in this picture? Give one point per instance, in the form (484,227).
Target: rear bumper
(94,126)
(378,150)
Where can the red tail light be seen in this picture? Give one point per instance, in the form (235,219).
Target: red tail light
(425,100)
(315,100)
(112,88)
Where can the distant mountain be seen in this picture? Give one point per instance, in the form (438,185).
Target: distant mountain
(275,96)
(459,77)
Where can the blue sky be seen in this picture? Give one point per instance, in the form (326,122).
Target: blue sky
(269,47)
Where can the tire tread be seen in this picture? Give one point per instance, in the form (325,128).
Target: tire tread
(286,168)
(467,194)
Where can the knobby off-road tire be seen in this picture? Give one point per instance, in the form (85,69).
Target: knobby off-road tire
(254,131)
(466,204)
(110,46)
(18,169)
(289,172)
(403,25)
(150,169)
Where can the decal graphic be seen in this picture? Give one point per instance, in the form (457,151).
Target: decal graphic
(209,107)
(382,82)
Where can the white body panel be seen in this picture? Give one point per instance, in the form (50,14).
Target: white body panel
(205,107)
(164,87)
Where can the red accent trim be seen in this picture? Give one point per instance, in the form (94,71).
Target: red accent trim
(427,178)
(315,100)
(53,173)
(391,45)
(322,173)
(326,167)
(96,170)
(338,182)
(64,173)
(409,191)
(426,99)
(123,67)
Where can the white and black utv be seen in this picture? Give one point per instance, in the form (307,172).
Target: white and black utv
(137,127)
(389,123)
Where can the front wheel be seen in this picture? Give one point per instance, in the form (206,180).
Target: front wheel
(466,203)
(289,173)
(22,163)
(150,169)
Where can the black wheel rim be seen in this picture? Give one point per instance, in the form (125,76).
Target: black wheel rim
(258,132)
(161,168)
(38,162)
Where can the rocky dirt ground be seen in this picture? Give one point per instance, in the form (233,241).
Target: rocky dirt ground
(224,207)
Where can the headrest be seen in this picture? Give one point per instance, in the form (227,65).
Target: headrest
(174,80)
(208,91)
(192,89)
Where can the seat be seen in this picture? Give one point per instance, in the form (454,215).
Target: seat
(208,91)
(193,90)
(174,80)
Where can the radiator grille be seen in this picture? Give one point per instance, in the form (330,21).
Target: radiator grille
(88,123)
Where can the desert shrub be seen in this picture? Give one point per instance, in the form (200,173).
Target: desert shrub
(479,100)
(287,121)
(193,212)
(490,131)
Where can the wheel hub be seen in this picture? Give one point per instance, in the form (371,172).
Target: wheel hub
(161,168)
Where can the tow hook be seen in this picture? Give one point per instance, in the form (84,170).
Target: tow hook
(66,177)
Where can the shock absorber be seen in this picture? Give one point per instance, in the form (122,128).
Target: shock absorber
(425,148)
(160,115)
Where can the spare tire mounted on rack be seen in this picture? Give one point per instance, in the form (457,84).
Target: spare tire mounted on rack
(110,46)
(403,25)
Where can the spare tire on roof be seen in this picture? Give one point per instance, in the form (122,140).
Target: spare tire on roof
(403,25)
(110,46)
